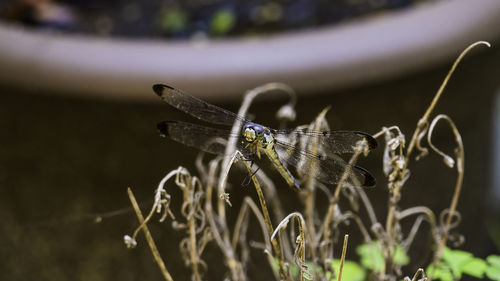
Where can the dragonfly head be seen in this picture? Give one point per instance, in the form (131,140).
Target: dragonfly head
(252,132)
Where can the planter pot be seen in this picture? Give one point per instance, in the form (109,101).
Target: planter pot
(356,52)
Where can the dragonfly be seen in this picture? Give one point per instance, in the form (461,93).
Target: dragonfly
(282,147)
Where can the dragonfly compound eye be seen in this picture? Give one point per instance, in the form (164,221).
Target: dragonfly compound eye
(251,132)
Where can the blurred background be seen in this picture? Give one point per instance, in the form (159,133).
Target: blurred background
(78,116)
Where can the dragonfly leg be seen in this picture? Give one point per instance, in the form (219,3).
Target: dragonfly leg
(248,178)
(249,157)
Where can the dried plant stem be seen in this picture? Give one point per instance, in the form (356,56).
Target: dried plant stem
(302,251)
(420,272)
(310,187)
(424,120)
(350,215)
(413,232)
(419,210)
(248,203)
(273,199)
(299,255)
(193,251)
(342,258)
(157,200)
(329,215)
(149,238)
(209,210)
(368,206)
(458,185)
(223,242)
(421,126)
(452,209)
(422,212)
(267,218)
(309,214)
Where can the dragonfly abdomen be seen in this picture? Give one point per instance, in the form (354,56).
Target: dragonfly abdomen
(282,169)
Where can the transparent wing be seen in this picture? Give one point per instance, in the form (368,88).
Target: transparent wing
(328,169)
(197,136)
(196,107)
(332,141)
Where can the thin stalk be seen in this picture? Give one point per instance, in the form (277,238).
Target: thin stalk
(157,201)
(421,211)
(222,242)
(273,200)
(458,184)
(420,272)
(342,258)
(336,195)
(248,203)
(302,251)
(267,218)
(154,250)
(299,255)
(310,187)
(193,253)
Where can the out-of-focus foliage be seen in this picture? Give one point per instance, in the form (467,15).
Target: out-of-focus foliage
(373,258)
(455,263)
(178,19)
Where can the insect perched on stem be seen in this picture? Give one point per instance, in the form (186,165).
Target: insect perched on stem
(281,146)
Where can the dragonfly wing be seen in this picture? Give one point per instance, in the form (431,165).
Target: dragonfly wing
(196,107)
(331,141)
(204,138)
(327,169)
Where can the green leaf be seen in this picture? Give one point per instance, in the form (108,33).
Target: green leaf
(494,261)
(456,262)
(371,256)
(493,273)
(351,271)
(475,267)
(275,264)
(456,259)
(441,271)
(400,256)
(294,270)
